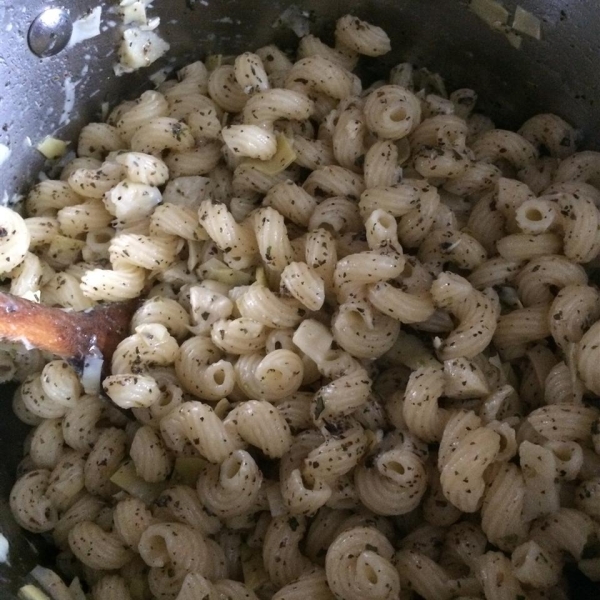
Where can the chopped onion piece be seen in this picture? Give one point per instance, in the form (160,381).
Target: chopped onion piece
(76,590)
(508,295)
(92,373)
(526,23)
(261,277)
(410,351)
(127,479)
(490,11)
(87,27)
(214,61)
(133,12)
(253,568)
(187,469)
(4,545)
(510,375)
(281,160)
(52,148)
(160,76)
(139,49)
(495,361)
(31,592)
(152,24)
(430,81)
(51,583)
(222,408)
(496,16)
(513,38)
(33,296)
(275,500)
(374,438)
(219,271)
(295,19)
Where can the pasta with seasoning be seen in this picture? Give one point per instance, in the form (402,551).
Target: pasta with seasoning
(358,565)
(364,364)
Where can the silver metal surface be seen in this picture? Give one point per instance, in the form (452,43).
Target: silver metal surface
(50,32)
(58,94)
(558,73)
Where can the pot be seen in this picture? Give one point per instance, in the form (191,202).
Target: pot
(58,93)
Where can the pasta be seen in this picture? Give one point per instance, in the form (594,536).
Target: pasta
(14,240)
(358,565)
(311,45)
(29,504)
(362,37)
(348,136)
(302,494)
(361,333)
(111,586)
(392,112)
(493,567)
(250,140)
(150,457)
(587,355)
(541,275)
(182,504)
(572,311)
(311,585)
(394,484)
(104,459)
(504,513)
(564,421)
(423,574)
(465,452)
(477,312)
(337,456)
(261,425)
(272,377)
(322,75)
(365,364)
(260,305)
(176,545)
(420,410)
(97,549)
(199,423)
(232,488)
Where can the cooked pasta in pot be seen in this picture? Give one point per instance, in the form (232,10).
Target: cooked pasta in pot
(367,356)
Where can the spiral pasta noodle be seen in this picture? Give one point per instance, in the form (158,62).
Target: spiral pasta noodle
(358,564)
(463,463)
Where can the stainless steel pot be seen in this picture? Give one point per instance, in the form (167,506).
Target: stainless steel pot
(58,94)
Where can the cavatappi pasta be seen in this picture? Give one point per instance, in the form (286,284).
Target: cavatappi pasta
(367,361)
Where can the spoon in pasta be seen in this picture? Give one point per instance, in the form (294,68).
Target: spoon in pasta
(74,336)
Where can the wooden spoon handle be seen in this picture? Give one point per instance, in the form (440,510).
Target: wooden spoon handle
(70,335)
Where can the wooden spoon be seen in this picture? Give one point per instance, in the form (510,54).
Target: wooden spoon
(73,336)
